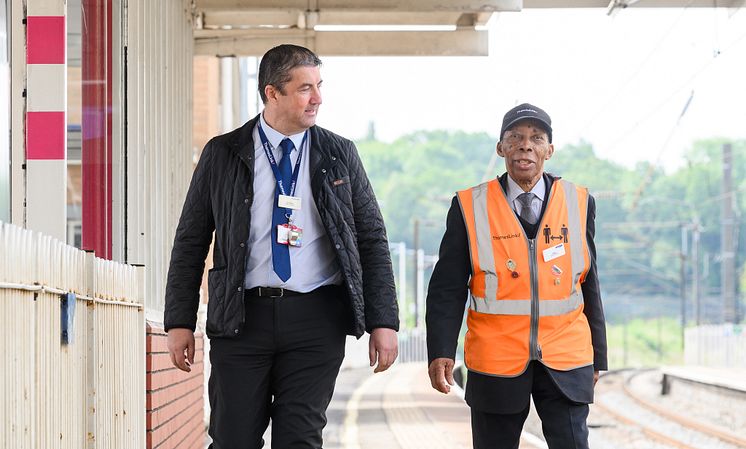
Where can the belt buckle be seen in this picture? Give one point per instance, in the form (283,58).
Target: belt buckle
(269,291)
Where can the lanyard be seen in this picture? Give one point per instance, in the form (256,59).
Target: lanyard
(271,157)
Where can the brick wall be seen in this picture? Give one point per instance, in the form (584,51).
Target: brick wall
(206,100)
(174,399)
(205,119)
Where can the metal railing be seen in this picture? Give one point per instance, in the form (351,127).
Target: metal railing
(72,345)
(413,345)
(412,348)
(721,345)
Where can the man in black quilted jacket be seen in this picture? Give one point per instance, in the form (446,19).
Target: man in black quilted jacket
(300,260)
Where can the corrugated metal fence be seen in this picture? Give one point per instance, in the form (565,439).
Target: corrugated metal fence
(721,345)
(413,345)
(81,388)
(159,134)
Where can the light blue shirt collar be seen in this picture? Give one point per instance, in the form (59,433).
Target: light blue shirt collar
(514,190)
(275,137)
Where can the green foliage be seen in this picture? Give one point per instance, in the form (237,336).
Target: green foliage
(579,164)
(649,342)
(416,176)
(640,211)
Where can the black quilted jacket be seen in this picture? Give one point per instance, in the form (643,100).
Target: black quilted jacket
(219,199)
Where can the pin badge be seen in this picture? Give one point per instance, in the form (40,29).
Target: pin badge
(510,263)
(557,271)
(514,274)
(556,281)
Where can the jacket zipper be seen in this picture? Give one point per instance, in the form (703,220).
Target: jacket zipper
(533,339)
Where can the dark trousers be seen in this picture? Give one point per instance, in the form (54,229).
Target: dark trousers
(283,367)
(563,422)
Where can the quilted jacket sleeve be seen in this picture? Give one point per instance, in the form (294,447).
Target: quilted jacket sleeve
(379,290)
(191,245)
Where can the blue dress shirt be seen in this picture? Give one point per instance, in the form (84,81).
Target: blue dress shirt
(313,264)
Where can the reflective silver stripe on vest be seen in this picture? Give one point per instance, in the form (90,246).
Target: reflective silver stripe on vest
(547,307)
(484,240)
(555,307)
(576,235)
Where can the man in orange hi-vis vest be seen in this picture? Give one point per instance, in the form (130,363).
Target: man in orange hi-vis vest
(519,249)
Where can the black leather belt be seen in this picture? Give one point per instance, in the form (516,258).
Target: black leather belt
(277,292)
(271,292)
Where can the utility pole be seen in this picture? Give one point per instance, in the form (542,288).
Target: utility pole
(695,271)
(419,270)
(420,293)
(625,345)
(403,279)
(682,281)
(416,271)
(727,245)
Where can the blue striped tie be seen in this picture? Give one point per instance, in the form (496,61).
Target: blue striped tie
(280,252)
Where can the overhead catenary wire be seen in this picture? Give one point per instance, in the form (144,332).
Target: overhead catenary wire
(600,111)
(676,91)
(651,168)
(705,200)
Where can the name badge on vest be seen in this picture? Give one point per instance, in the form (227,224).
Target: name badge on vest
(554,252)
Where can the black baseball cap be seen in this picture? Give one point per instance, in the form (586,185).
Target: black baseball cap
(526,111)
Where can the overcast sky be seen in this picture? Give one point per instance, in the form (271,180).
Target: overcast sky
(619,82)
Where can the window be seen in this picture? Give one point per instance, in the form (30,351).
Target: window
(4,113)
(93,122)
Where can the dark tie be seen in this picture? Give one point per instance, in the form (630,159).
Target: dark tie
(527,213)
(280,252)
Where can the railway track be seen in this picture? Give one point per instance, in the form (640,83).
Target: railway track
(669,429)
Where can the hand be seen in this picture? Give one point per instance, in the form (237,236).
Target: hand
(595,377)
(441,371)
(179,342)
(382,347)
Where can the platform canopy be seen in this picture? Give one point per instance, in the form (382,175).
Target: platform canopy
(371,27)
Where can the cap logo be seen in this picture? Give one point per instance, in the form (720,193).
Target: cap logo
(526,110)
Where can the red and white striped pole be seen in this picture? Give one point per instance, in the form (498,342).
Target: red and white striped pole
(46,131)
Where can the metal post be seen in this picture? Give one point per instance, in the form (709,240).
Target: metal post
(416,267)
(258,104)
(727,245)
(682,281)
(625,360)
(420,276)
(227,93)
(96,143)
(403,278)
(695,272)
(17,27)
(243,89)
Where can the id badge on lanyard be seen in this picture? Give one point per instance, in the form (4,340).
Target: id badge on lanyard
(287,233)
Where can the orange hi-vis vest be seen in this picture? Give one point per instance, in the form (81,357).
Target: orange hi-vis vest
(525,297)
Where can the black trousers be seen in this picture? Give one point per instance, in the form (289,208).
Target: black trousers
(283,367)
(563,422)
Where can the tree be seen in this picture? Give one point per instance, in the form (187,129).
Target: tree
(639,210)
